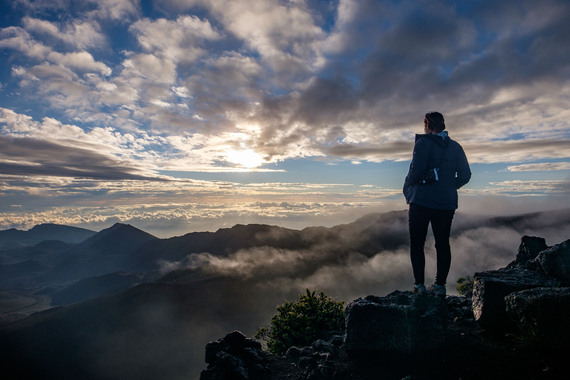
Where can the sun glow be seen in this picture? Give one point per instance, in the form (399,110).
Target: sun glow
(246,158)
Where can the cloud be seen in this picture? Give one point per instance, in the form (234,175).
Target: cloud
(24,156)
(537,187)
(19,39)
(79,34)
(339,254)
(344,87)
(539,167)
(178,41)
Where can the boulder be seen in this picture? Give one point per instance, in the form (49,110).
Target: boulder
(235,357)
(490,289)
(529,249)
(541,314)
(316,362)
(555,261)
(400,322)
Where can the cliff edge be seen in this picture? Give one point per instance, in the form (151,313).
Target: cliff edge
(513,325)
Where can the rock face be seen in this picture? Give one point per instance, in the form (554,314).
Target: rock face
(316,362)
(403,334)
(529,249)
(555,262)
(235,357)
(490,289)
(536,266)
(541,314)
(400,322)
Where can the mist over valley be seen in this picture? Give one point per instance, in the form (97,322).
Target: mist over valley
(121,303)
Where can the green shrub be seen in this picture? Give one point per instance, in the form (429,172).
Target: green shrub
(302,322)
(464,285)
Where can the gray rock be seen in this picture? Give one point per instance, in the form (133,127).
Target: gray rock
(541,314)
(400,322)
(294,353)
(555,261)
(490,289)
(529,249)
(322,346)
(234,357)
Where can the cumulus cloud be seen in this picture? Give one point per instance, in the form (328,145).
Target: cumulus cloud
(178,41)
(79,34)
(214,86)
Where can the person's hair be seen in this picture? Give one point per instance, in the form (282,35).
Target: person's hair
(435,121)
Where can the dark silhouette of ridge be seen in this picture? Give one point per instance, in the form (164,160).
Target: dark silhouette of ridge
(161,325)
(118,239)
(14,238)
(222,242)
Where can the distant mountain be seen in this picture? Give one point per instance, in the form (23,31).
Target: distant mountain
(220,243)
(108,251)
(119,239)
(215,282)
(14,238)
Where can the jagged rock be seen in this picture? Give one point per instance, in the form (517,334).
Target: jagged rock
(400,322)
(235,357)
(542,314)
(529,249)
(294,354)
(317,361)
(491,287)
(555,261)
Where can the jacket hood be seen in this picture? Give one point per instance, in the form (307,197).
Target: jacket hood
(440,139)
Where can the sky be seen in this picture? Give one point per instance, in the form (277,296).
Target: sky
(192,115)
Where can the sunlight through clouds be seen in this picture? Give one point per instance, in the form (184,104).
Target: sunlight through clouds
(248,93)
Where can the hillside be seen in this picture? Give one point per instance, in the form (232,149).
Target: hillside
(195,288)
(14,238)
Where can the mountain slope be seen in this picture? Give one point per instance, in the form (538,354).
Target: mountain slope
(14,238)
(119,239)
(151,331)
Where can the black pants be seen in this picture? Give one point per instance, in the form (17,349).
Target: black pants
(418,219)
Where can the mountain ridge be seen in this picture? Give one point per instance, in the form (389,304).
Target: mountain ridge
(14,238)
(215,282)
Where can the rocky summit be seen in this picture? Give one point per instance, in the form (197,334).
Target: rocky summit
(513,325)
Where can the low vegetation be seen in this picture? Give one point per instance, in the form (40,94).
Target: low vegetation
(302,322)
(464,285)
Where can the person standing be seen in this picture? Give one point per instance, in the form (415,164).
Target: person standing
(438,169)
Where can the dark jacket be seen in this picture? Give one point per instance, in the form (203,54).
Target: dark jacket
(430,151)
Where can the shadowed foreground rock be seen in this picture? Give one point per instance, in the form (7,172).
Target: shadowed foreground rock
(555,262)
(541,315)
(235,357)
(400,322)
(536,266)
(490,289)
(423,337)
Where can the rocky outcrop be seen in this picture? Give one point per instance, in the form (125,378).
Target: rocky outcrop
(317,362)
(529,249)
(536,266)
(490,289)
(401,322)
(541,314)
(555,262)
(235,357)
(405,335)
